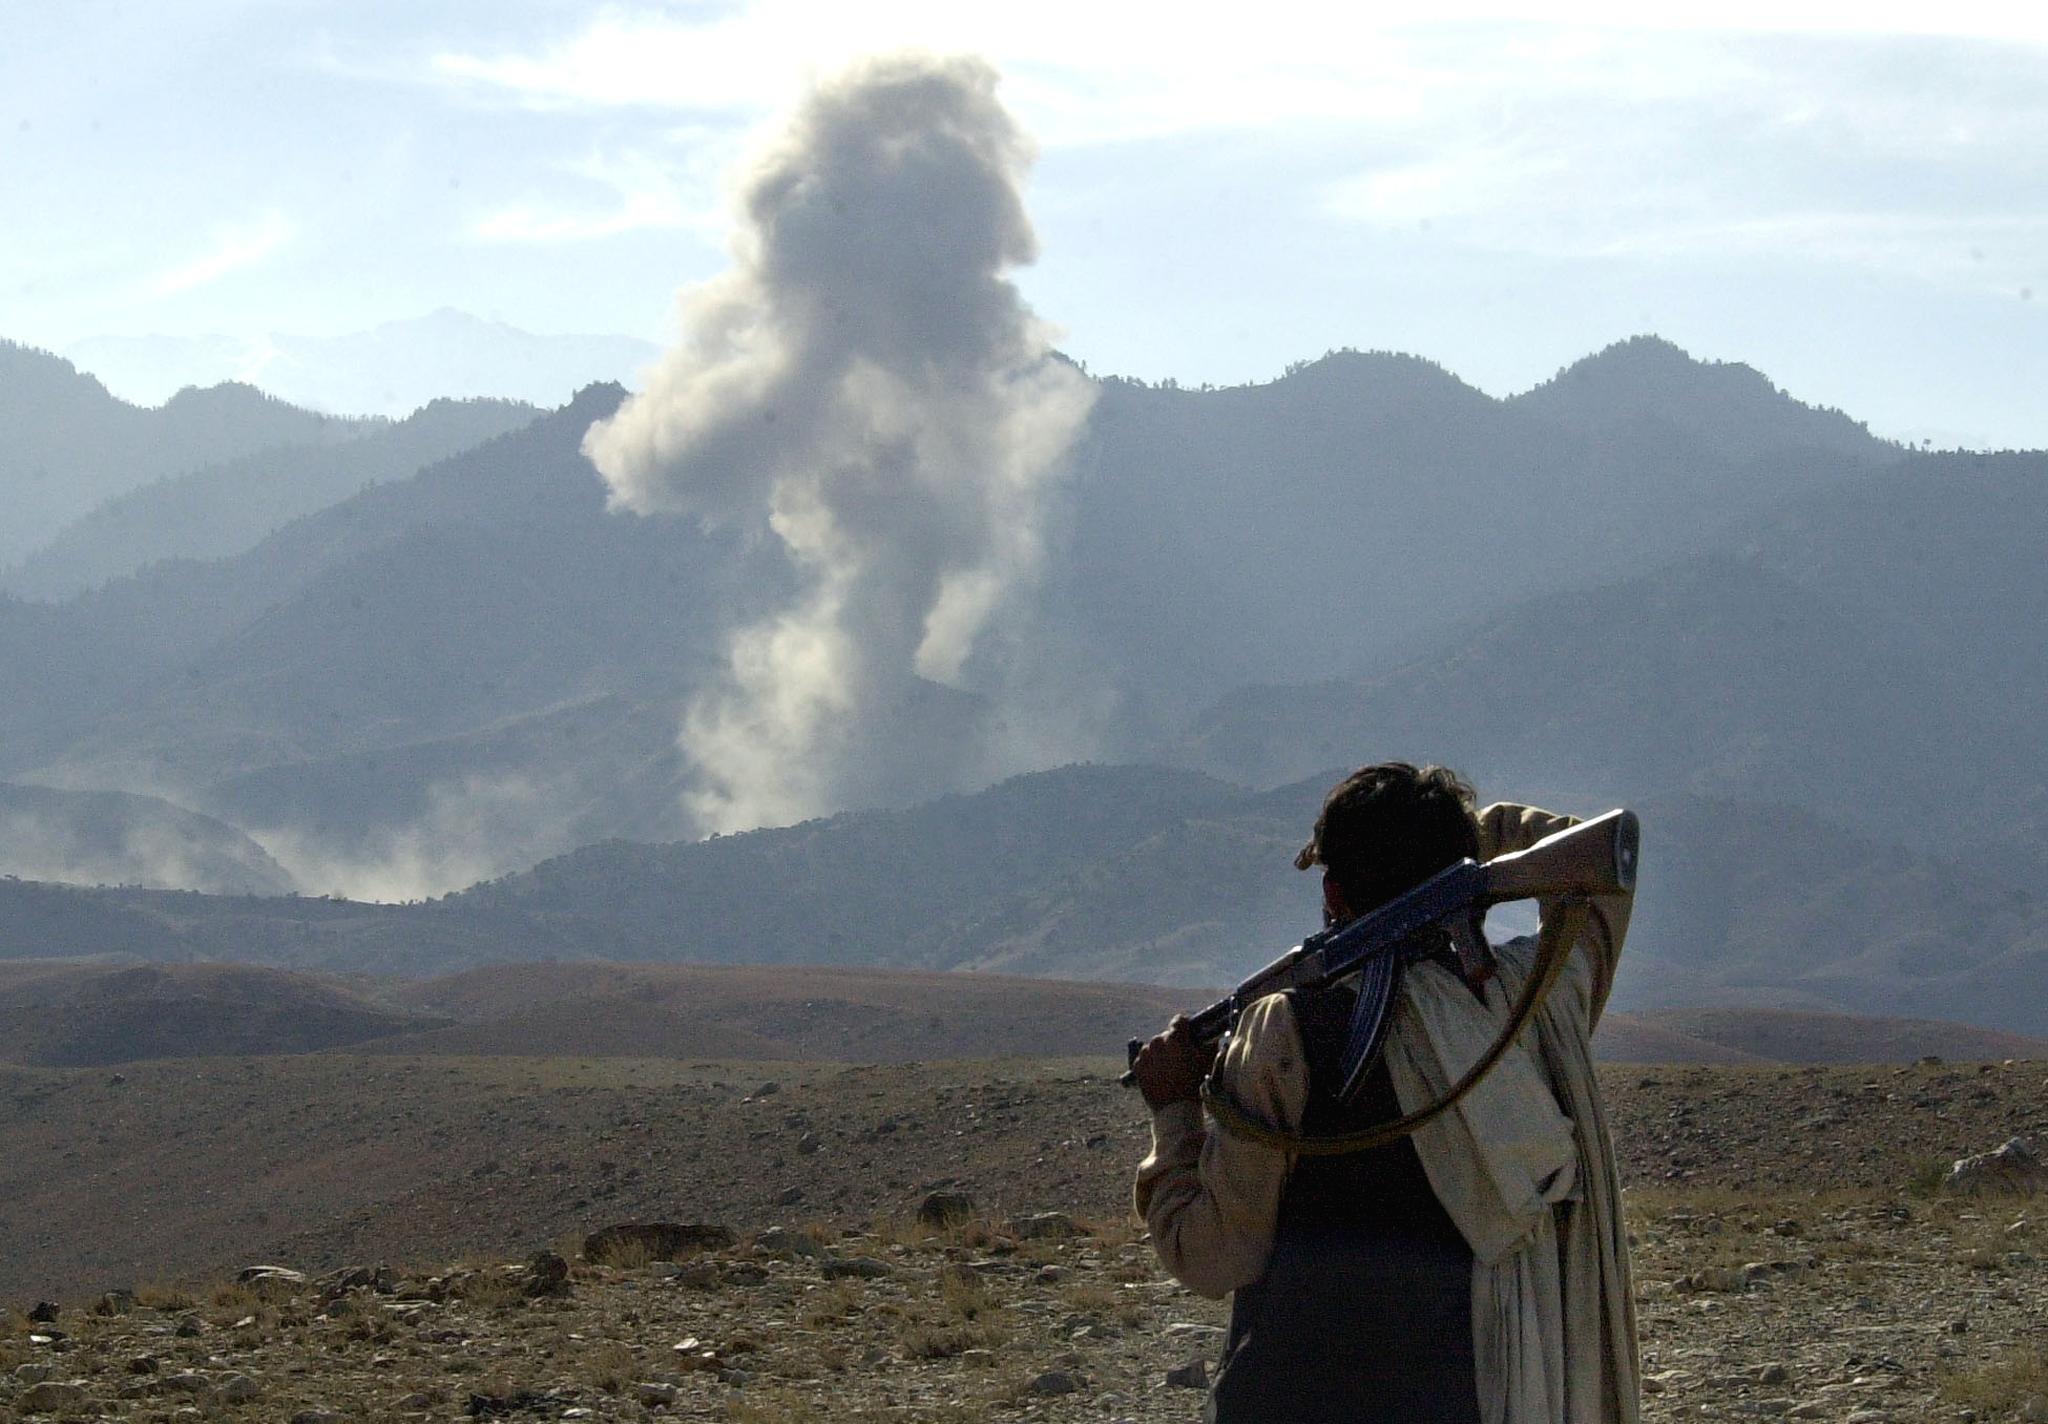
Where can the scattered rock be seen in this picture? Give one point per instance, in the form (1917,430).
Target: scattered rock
(187,1382)
(653,1392)
(317,1416)
(781,1241)
(698,1275)
(655,1240)
(545,1274)
(857,1267)
(1192,1375)
(1044,1224)
(809,1143)
(1055,1382)
(53,1397)
(34,1372)
(789,1196)
(2014,1167)
(348,1278)
(114,1302)
(945,1209)
(142,1365)
(271,1282)
(239,1389)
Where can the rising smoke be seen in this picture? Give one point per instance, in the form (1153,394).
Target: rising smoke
(865,391)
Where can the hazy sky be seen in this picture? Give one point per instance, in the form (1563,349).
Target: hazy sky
(1852,198)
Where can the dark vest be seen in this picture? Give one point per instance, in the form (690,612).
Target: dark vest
(1364,1313)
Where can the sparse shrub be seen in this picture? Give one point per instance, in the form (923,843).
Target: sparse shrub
(964,1294)
(236,1298)
(830,1304)
(927,1339)
(1926,1179)
(611,1367)
(487,1290)
(624,1254)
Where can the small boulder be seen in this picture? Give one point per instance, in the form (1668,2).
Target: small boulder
(34,1372)
(781,1241)
(53,1397)
(653,1392)
(239,1389)
(945,1209)
(2014,1167)
(114,1302)
(271,1282)
(1055,1382)
(1192,1375)
(654,1240)
(545,1274)
(1043,1225)
(865,1268)
(348,1278)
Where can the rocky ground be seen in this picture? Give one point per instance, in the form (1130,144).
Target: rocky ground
(1796,1257)
(1847,1308)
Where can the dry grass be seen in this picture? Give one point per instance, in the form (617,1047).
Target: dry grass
(830,1304)
(611,1367)
(625,1255)
(492,1289)
(1999,1390)
(163,1297)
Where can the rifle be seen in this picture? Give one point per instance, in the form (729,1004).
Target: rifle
(1596,857)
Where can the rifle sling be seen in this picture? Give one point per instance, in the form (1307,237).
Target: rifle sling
(1561,930)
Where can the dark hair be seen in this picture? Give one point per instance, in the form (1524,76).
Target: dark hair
(1387,828)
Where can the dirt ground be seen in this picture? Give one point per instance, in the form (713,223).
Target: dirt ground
(1794,1255)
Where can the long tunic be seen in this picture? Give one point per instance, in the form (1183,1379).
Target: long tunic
(1523,1166)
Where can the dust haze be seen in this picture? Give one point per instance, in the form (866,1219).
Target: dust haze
(865,391)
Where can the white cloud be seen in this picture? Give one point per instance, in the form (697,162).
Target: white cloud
(1078,70)
(234,248)
(672,189)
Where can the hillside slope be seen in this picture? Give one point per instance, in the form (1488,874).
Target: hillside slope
(225,508)
(113,838)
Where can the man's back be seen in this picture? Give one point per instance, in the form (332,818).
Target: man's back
(1401,1284)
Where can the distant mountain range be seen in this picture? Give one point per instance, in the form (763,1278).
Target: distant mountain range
(222,509)
(391,369)
(66,445)
(1125,873)
(1806,654)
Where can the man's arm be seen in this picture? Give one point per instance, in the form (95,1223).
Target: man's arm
(1505,827)
(1212,1199)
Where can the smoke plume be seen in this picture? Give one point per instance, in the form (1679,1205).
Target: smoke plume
(865,391)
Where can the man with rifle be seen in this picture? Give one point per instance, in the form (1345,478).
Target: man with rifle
(1404,1171)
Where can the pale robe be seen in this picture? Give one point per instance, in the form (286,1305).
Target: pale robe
(1524,1164)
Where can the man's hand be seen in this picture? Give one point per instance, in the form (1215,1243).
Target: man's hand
(1171,1067)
